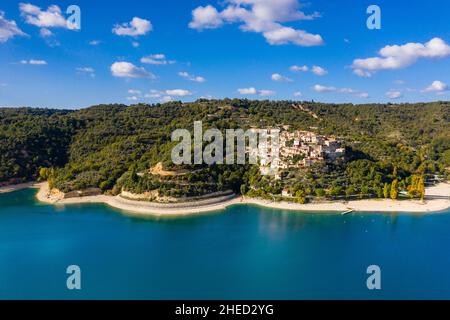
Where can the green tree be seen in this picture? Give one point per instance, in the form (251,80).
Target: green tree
(394,173)
(417,187)
(350,191)
(421,188)
(44,174)
(386,190)
(364,191)
(243,189)
(335,191)
(402,185)
(300,194)
(300,200)
(134,178)
(379,191)
(394,190)
(320,192)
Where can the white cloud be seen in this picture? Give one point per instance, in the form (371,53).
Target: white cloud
(398,57)
(191,77)
(400,82)
(135,92)
(254,91)
(129,70)
(362,95)
(266,93)
(45,33)
(260,16)
(279,78)
(362,73)
(319,71)
(296,68)
(166,99)
(163,96)
(298,94)
(437,86)
(86,70)
(8,29)
(285,35)
(158,56)
(347,90)
(34,62)
(248,90)
(94,42)
(132,98)
(50,18)
(154,94)
(156,59)
(166,95)
(178,92)
(330,89)
(320,88)
(205,18)
(137,27)
(199,79)
(394,94)
(135,44)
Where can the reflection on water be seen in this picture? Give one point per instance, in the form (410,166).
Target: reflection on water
(277,224)
(243,252)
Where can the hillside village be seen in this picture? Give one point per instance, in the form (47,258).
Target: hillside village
(115,147)
(296,149)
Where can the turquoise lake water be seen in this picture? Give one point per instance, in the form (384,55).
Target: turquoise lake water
(244,252)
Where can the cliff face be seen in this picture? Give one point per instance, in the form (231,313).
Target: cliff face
(55,195)
(82,193)
(154,196)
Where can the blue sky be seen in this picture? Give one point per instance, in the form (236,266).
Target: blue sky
(135,51)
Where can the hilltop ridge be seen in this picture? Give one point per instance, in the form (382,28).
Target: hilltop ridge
(105,146)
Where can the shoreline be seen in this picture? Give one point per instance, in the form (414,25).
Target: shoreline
(17,187)
(437,199)
(139,208)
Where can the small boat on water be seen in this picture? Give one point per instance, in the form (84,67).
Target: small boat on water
(347,212)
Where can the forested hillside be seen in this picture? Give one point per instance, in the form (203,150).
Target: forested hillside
(113,146)
(31,139)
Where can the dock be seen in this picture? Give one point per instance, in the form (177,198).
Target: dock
(347,212)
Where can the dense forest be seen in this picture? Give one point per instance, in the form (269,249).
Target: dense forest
(389,147)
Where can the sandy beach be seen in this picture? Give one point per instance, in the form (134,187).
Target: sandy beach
(437,199)
(141,207)
(16,187)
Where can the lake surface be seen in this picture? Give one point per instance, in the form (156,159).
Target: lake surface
(244,252)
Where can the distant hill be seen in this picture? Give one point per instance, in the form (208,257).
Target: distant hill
(106,146)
